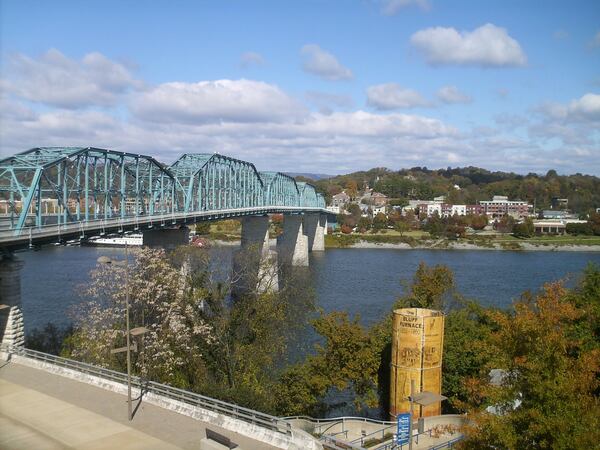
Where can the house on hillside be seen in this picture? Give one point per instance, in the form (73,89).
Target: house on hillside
(340,200)
(378,199)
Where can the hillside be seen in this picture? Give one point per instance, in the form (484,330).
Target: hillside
(474,184)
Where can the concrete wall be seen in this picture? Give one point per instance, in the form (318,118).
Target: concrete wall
(11,317)
(167,238)
(292,245)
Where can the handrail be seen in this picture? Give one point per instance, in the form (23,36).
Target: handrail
(364,438)
(191,398)
(339,419)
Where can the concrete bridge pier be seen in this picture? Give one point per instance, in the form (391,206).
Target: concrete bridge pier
(315,227)
(11,315)
(167,238)
(292,245)
(254,264)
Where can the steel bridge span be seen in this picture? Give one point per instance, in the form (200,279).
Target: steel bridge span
(50,194)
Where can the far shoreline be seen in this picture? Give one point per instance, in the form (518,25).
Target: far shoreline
(447,245)
(523,247)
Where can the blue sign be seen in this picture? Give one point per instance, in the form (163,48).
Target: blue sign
(403,435)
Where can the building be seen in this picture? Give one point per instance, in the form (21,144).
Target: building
(458,210)
(549,227)
(500,206)
(378,209)
(340,200)
(378,199)
(474,210)
(370,197)
(553,226)
(552,214)
(559,203)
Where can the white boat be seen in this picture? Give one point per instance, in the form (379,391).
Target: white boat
(131,240)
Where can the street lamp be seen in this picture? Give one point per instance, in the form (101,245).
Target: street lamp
(423,398)
(129,332)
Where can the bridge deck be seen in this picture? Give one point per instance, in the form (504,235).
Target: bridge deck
(42,410)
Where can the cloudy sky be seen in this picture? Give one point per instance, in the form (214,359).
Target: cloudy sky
(308,86)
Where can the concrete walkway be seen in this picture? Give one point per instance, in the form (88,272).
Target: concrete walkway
(39,410)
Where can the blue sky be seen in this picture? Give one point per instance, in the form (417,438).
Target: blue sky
(317,86)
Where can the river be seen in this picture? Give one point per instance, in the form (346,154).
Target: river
(360,281)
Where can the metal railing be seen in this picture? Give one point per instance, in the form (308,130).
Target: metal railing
(232,410)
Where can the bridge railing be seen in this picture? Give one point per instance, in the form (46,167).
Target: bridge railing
(191,398)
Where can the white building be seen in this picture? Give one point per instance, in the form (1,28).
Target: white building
(459,210)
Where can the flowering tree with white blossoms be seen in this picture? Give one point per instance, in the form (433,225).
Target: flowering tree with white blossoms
(160,300)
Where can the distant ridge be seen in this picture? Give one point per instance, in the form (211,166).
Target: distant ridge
(312,176)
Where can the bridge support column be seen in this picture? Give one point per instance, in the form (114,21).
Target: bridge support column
(11,315)
(254,264)
(315,227)
(292,245)
(167,238)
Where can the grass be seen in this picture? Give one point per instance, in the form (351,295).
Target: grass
(414,238)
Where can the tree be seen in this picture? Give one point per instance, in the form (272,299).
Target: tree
(49,339)
(524,229)
(401,226)
(547,395)
(505,224)
(379,221)
(478,221)
(352,189)
(157,301)
(364,224)
(432,288)
(199,339)
(203,228)
(345,229)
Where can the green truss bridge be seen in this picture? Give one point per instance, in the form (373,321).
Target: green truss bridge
(51,194)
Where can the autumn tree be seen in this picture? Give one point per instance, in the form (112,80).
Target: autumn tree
(352,189)
(547,396)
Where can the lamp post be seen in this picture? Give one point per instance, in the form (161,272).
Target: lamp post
(129,332)
(423,398)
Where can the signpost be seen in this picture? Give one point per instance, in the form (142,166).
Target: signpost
(403,434)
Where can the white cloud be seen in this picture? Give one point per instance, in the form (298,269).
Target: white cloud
(595,42)
(451,94)
(586,108)
(56,80)
(391,7)
(249,59)
(487,45)
(215,101)
(390,96)
(323,64)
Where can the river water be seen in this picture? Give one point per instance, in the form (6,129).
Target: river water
(360,281)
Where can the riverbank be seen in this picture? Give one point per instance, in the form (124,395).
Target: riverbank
(496,243)
(467,246)
(397,243)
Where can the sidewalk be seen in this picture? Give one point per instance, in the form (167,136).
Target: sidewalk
(39,410)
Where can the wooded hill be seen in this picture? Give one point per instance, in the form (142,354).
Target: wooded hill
(582,191)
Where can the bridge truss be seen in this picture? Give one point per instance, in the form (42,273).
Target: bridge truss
(53,190)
